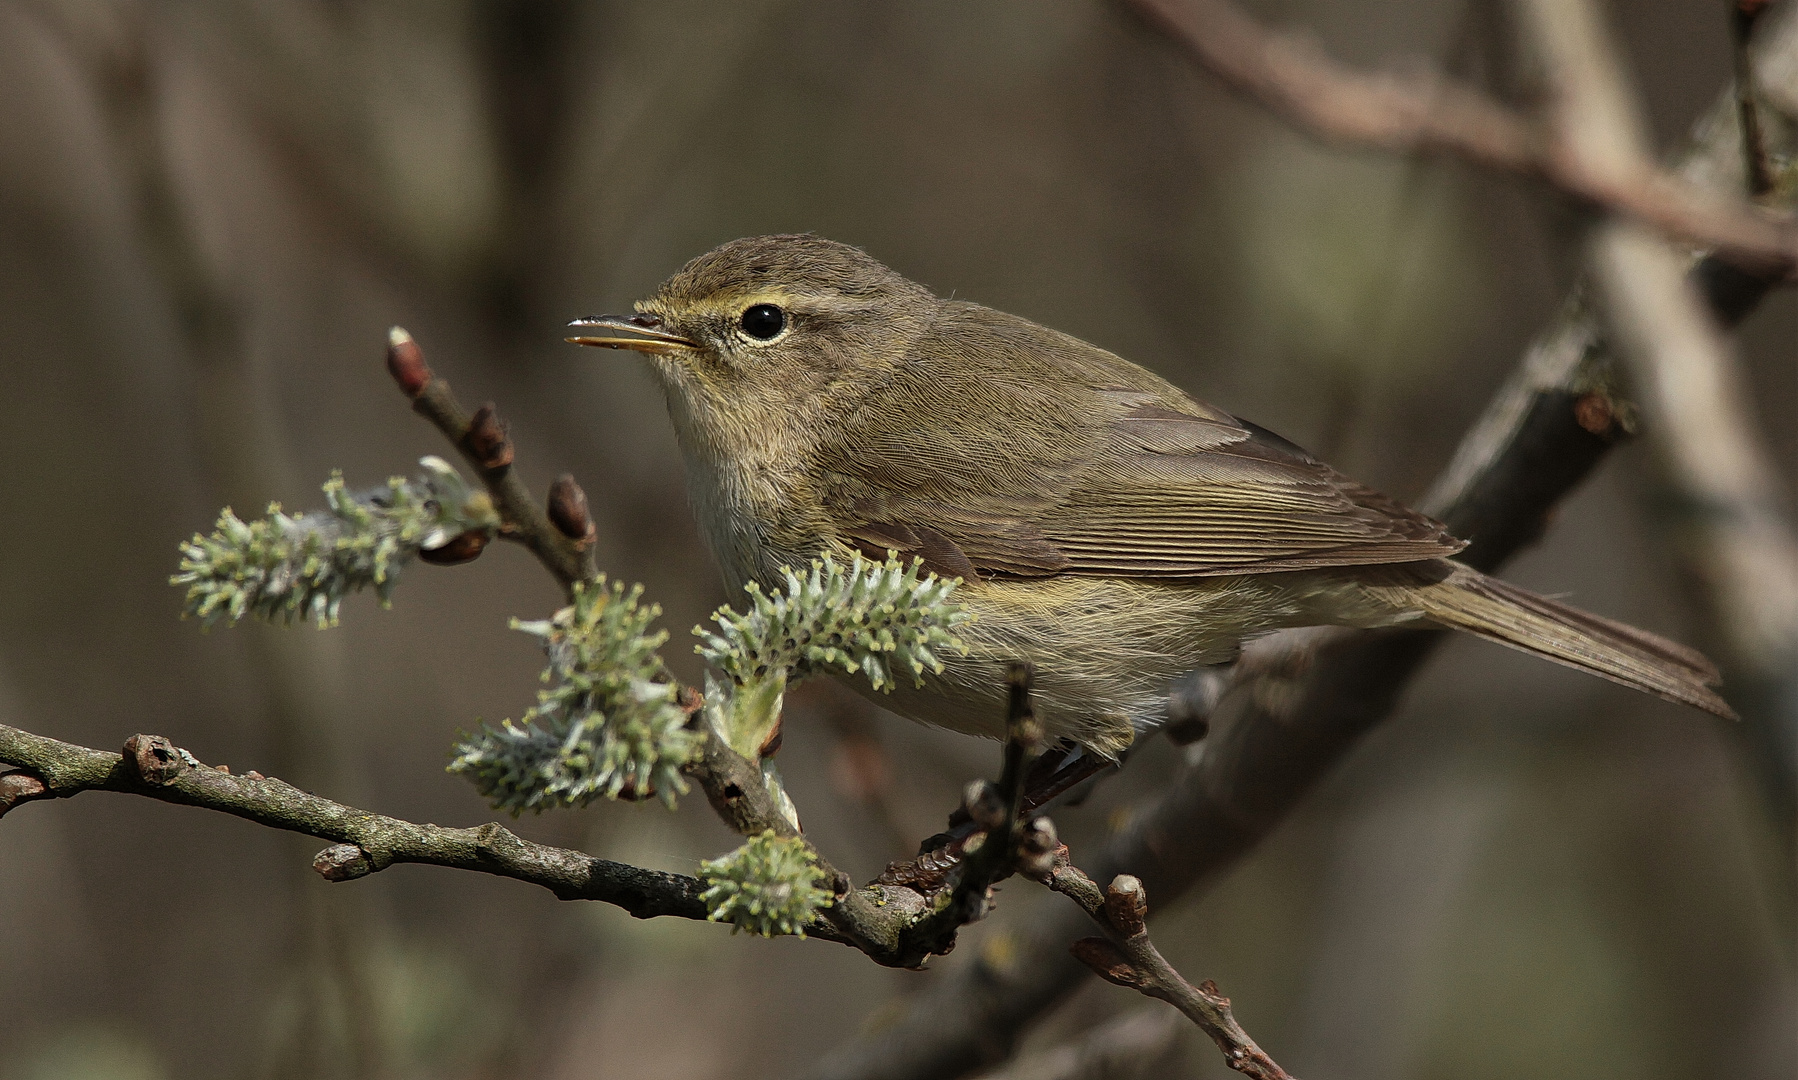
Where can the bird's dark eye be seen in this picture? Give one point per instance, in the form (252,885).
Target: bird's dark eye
(764,321)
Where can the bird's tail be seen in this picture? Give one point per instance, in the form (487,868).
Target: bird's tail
(1465,599)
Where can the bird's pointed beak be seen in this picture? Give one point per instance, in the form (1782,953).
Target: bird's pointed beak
(647,334)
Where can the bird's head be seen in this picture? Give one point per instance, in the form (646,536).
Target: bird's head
(766,333)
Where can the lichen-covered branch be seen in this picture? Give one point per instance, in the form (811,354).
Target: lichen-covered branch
(153,767)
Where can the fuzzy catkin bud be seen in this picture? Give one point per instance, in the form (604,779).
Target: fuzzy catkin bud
(768,886)
(879,618)
(609,725)
(289,567)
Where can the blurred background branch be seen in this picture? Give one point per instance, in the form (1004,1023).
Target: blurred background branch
(1418,109)
(1300,701)
(1734,533)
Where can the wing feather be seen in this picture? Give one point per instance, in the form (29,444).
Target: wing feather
(1135,479)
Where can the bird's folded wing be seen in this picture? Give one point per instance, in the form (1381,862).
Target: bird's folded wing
(1157,491)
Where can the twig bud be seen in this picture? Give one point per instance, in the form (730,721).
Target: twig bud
(154,759)
(928,872)
(1594,413)
(568,509)
(984,804)
(343,862)
(406,362)
(1127,904)
(18,787)
(1038,849)
(1107,962)
(1021,725)
(458,549)
(488,439)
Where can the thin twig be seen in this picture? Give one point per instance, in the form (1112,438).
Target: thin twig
(1423,110)
(989,846)
(1128,957)
(998,809)
(485,444)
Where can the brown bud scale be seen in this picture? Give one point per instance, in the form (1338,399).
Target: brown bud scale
(1127,905)
(487,439)
(568,509)
(406,363)
(464,547)
(1106,961)
(342,862)
(18,787)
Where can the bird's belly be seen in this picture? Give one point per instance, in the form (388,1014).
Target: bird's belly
(1106,650)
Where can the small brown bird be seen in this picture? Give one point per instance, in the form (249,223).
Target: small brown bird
(1108,528)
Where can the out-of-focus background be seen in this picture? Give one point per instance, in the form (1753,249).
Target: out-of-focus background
(210,213)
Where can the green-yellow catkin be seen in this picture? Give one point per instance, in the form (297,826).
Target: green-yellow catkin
(607,725)
(883,619)
(768,886)
(288,567)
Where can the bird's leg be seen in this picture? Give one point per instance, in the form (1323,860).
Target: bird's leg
(1064,769)
(1055,775)
(1048,777)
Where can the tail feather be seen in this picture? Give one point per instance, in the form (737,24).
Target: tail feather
(1498,611)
